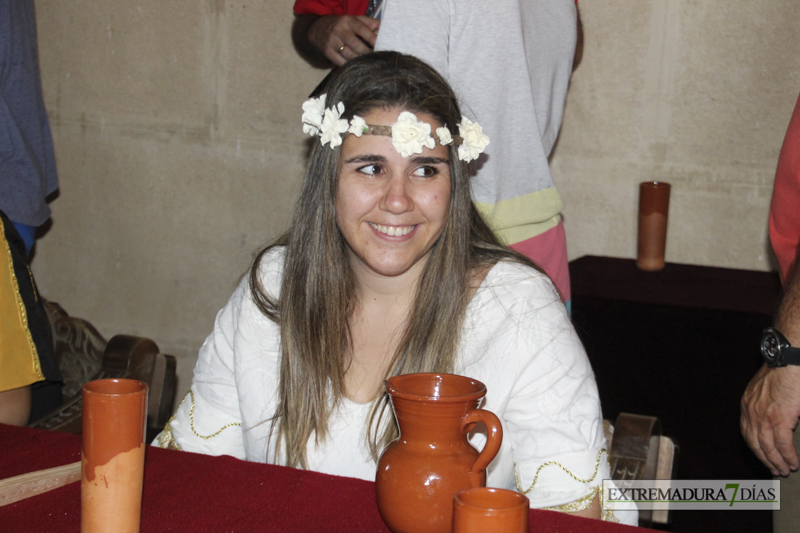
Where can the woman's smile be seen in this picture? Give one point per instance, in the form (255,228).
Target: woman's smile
(392,231)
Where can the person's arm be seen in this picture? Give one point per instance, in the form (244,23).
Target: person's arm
(771,402)
(333,40)
(209,418)
(554,404)
(784,212)
(593,511)
(15,406)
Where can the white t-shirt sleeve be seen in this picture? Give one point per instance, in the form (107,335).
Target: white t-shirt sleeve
(420,28)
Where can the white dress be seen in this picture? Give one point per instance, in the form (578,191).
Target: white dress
(517,339)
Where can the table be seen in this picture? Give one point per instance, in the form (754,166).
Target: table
(692,286)
(191,492)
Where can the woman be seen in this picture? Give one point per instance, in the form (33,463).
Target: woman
(388,269)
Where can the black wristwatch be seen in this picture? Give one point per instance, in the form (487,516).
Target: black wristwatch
(777,351)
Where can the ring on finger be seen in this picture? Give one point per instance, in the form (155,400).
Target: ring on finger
(342,47)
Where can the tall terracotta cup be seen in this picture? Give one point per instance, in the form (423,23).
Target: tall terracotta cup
(653,214)
(486,510)
(421,471)
(112,455)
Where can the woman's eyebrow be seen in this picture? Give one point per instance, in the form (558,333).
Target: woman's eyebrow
(430,160)
(371,158)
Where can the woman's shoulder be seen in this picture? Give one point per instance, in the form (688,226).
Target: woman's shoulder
(272,260)
(512,278)
(514,289)
(270,267)
(269,272)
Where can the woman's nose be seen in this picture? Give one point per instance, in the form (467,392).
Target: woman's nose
(397,197)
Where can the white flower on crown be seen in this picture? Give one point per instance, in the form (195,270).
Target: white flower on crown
(474,141)
(409,135)
(357,126)
(332,126)
(313,110)
(444,135)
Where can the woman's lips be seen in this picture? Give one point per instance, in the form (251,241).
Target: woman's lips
(392,231)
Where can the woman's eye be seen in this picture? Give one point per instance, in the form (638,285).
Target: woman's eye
(370,170)
(426,172)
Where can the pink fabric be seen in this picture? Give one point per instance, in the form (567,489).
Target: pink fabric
(549,251)
(191,492)
(784,213)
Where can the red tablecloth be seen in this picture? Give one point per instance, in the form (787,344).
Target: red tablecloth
(198,493)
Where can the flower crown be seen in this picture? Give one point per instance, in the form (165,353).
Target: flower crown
(408,134)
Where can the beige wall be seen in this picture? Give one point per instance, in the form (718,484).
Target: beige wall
(693,92)
(178,149)
(179,145)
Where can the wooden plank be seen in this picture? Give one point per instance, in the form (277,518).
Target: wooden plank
(24,486)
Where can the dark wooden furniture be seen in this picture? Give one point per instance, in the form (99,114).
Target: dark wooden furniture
(680,344)
(83,355)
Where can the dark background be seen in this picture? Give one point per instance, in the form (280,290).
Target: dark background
(680,344)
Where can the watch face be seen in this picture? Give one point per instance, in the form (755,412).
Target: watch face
(770,348)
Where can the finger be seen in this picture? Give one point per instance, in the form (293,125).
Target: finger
(751,438)
(346,53)
(756,438)
(366,32)
(355,44)
(774,459)
(749,429)
(335,56)
(369,22)
(785,446)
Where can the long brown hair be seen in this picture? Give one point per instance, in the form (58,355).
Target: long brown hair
(317,296)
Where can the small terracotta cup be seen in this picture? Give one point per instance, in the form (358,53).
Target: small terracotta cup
(653,214)
(112,455)
(488,510)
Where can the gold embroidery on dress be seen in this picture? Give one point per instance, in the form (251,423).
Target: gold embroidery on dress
(578,505)
(581,503)
(191,420)
(562,467)
(166,439)
(607,514)
(606,511)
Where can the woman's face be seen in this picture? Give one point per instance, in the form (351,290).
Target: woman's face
(390,208)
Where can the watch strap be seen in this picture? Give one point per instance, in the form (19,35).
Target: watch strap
(791,355)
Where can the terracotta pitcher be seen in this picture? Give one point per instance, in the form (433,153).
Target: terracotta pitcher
(432,460)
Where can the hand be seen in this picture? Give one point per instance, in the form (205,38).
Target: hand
(343,38)
(770,409)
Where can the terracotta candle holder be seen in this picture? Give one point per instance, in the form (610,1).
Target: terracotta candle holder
(487,510)
(653,214)
(112,455)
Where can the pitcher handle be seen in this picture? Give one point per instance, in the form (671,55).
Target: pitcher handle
(494,437)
